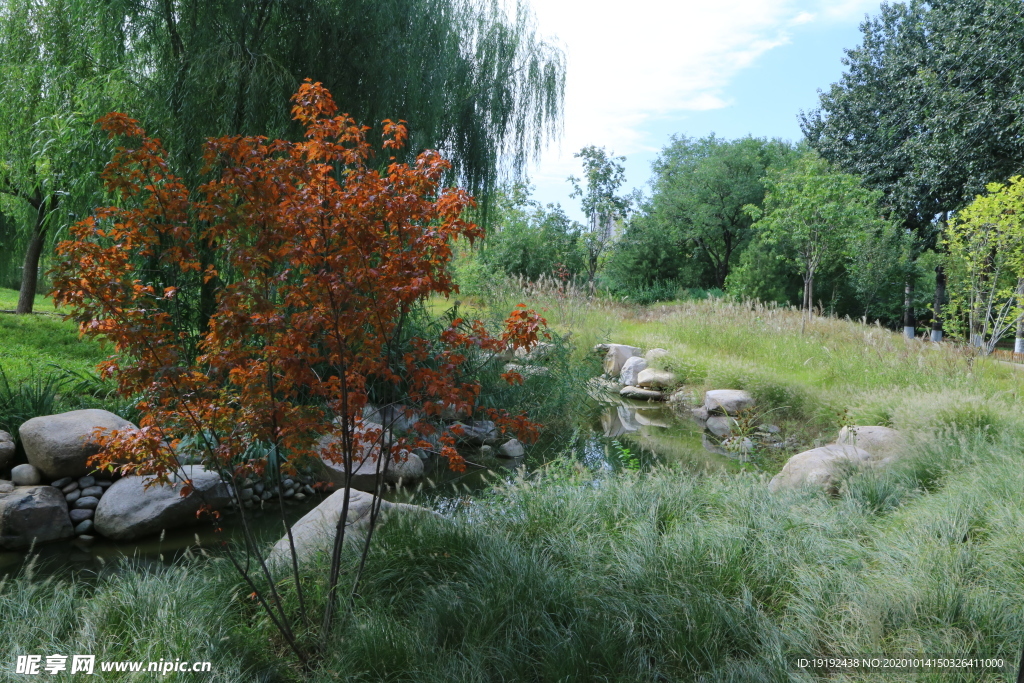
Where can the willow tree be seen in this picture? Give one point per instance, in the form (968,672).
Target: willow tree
(54,80)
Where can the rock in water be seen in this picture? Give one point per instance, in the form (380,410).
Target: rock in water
(876,440)
(616,356)
(128,510)
(60,445)
(6,450)
(33,513)
(728,401)
(818,467)
(315,532)
(630,369)
(655,379)
(25,475)
(512,449)
(407,469)
(641,394)
(719,425)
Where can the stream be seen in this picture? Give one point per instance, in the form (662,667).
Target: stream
(617,433)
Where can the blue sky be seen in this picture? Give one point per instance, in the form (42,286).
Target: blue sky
(734,67)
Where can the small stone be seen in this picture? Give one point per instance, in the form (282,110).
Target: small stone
(84,527)
(246,494)
(104,483)
(73,486)
(289,493)
(87,503)
(25,475)
(486,450)
(86,537)
(62,482)
(73,496)
(79,515)
(85,482)
(300,496)
(308,490)
(305,479)
(641,394)
(94,491)
(720,426)
(267,495)
(248,504)
(512,449)
(259,488)
(699,413)
(6,486)
(287,483)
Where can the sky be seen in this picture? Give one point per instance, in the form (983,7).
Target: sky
(641,71)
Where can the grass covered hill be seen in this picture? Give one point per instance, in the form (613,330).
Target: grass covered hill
(573,574)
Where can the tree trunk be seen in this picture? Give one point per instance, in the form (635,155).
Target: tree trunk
(940,298)
(30,268)
(1018,342)
(909,326)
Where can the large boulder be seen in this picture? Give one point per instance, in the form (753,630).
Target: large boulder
(33,514)
(639,394)
(25,475)
(655,379)
(129,510)
(630,371)
(616,357)
(654,354)
(876,440)
(403,468)
(60,445)
(818,467)
(315,531)
(6,451)
(728,401)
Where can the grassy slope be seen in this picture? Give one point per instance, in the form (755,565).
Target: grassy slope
(29,344)
(666,575)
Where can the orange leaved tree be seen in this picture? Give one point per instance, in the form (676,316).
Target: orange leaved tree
(318,260)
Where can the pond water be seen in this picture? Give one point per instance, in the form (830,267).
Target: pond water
(617,433)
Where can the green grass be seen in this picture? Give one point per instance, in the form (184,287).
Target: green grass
(31,344)
(661,575)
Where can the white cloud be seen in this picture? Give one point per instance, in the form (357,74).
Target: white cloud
(632,62)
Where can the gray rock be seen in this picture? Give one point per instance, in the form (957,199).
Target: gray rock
(700,414)
(86,482)
(6,486)
(246,494)
(818,467)
(33,513)
(308,490)
(104,483)
(486,450)
(60,445)
(540,351)
(68,488)
(94,491)
(616,356)
(84,527)
(512,449)
(287,483)
(300,496)
(477,433)
(73,496)
(80,515)
(720,426)
(86,538)
(728,401)
(527,370)
(876,440)
(630,369)
(129,510)
(641,394)
(25,475)
(87,503)
(655,379)
(314,533)
(6,450)
(403,467)
(266,495)
(258,488)
(61,483)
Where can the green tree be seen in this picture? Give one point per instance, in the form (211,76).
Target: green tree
(530,240)
(54,82)
(603,175)
(700,189)
(815,213)
(986,264)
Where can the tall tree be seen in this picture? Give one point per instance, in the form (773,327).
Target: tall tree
(700,187)
(603,175)
(54,81)
(930,107)
(817,212)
